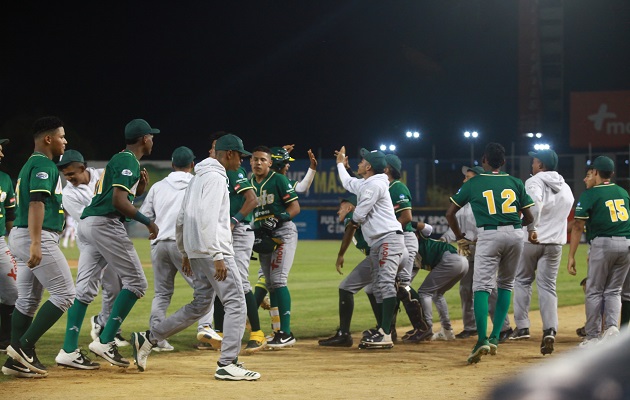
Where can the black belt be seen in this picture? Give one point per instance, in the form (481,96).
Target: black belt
(494,227)
(399,232)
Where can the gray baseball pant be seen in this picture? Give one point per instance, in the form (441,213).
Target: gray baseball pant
(243,242)
(386,255)
(52,273)
(229,291)
(539,261)
(608,265)
(277,265)
(167,262)
(106,243)
(450,270)
(8,275)
(496,256)
(360,277)
(406,267)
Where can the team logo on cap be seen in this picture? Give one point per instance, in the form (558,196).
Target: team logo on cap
(126,172)
(41,175)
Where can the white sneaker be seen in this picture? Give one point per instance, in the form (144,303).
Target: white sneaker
(121,341)
(443,334)
(208,335)
(142,348)
(235,372)
(78,359)
(95,332)
(609,335)
(163,345)
(587,343)
(108,351)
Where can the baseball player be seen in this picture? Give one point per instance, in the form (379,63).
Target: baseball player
(105,240)
(359,278)
(603,208)
(77,195)
(277,206)
(242,202)
(496,199)
(161,205)
(8,266)
(467,224)
(34,242)
(204,237)
(382,232)
(446,268)
(553,202)
(280,163)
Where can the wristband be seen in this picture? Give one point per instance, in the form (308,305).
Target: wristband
(235,221)
(143,219)
(428,229)
(239,217)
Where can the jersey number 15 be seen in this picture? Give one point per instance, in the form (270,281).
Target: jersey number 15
(617,210)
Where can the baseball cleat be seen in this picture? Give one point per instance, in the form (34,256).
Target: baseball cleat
(549,338)
(208,335)
(465,334)
(109,352)
(506,334)
(520,334)
(419,336)
(493,342)
(609,335)
(3,345)
(380,340)
(163,345)
(26,357)
(586,343)
(480,349)
(96,328)
(339,339)
(281,340)
(17,369)
(256,342)
(235,372)
(121,341)
(443,334)
(77,359)
(141,349)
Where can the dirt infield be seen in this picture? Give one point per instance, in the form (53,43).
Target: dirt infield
(427,370)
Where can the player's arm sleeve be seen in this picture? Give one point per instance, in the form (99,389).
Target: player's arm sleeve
(583,207)
(535,190)
(524,199)
(71,205)
(147,207)
(462,197)
(285,189)
(349,183)
(127,176)
(303,185)
(41,181)
(9,202)
(211,200)
(179,225)
(369,195)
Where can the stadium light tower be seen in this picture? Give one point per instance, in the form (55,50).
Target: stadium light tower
(472,136)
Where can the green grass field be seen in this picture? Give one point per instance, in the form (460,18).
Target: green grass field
(313,283)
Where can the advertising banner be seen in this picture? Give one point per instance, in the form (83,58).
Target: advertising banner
(601,119)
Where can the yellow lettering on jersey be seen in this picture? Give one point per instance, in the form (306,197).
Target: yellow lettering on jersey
(59,187)
(17,192)
(492,209)
(98,189)
(510,197)
(617,210)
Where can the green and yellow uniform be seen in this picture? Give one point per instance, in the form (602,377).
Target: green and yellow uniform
(358,239)
(401,198)
(605,209)
(40,175)
(123,171)
(431,251)
(274,193)
(7,200)
(238,183)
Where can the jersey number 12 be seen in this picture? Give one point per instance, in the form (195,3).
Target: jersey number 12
(506,206)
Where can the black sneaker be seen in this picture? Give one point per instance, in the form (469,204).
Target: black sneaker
(281,340)
(379,340)
(17,369)
(26,357)
(369,332)
(465,334)
(339,339)
(419,336)
(549,338)
(108,351)
(520,334)
(506,334)
(3,345)
(407,334)
(581,332)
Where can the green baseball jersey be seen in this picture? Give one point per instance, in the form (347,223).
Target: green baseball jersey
(495,199)
(432,251)
(293,183)
(274,193)
(401,198)
(238,183)
(7,200)
(359,240)
(40,175)
(605,209)
(122,171)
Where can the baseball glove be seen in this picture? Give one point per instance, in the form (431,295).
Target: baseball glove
(463,247)
(264,243)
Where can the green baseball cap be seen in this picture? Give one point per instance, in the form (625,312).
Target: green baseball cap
(182,157)
(70,156)
(603,163)
(352,199)
(279,157)
(139,127)
(3,141)
(394,162)
(549,158)
(376,158)
(477,170)
(231,142)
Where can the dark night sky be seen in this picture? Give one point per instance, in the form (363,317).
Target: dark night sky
(319,73)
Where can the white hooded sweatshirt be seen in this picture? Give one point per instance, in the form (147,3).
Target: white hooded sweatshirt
(203,223)
(164,201)
(553,201)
